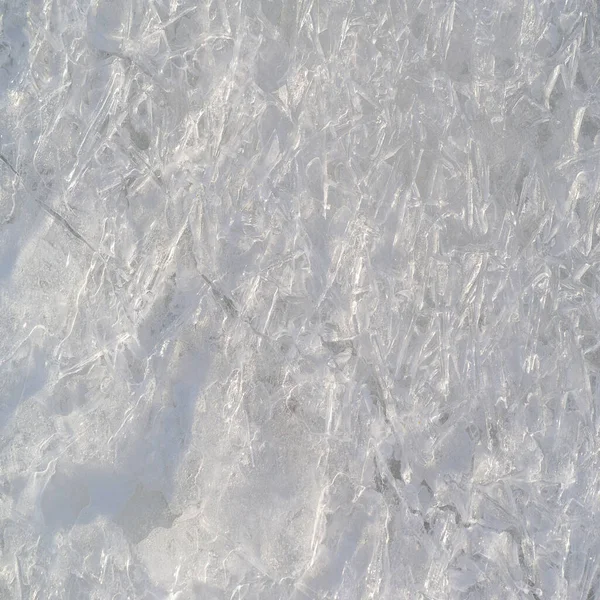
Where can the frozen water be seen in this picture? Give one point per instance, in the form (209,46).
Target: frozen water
(299,299)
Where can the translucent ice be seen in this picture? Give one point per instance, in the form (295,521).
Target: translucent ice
(299,299)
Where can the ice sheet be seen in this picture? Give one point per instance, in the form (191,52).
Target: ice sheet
(299,299)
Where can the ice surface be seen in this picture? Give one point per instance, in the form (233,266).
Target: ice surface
(299,299)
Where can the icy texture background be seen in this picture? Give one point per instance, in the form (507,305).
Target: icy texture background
(299,300)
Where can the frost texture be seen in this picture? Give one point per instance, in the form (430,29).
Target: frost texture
(299,300)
